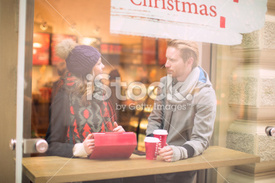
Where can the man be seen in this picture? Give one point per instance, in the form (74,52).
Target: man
(185,107)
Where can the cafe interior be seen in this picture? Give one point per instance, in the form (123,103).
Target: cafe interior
(132,58)
(242,76)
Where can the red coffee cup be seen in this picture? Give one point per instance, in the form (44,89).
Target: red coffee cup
(151,147)
(162,136)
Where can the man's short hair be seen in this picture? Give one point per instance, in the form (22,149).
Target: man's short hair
(187,49)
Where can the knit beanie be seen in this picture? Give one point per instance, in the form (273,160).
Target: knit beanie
(80,59)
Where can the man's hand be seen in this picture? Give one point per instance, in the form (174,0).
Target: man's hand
(118,128)
(166,153)
(89,144)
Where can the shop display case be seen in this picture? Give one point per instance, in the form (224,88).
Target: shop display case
(131,54)
(41,49)
(111,53)
(149,49)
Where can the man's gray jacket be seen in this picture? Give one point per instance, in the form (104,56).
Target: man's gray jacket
(187,111)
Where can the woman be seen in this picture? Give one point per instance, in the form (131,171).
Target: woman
(75,113)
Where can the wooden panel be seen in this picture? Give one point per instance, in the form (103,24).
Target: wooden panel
(8,66)
(58,169)
(8,79)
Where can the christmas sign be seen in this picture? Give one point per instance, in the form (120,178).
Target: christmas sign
(212,21)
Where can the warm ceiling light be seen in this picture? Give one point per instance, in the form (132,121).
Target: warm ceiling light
(44,26)
(37,45)
(88,41)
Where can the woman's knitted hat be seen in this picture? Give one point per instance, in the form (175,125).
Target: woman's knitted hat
(80,59)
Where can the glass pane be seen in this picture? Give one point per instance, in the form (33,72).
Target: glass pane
(68,103)
(87,86)
(132,58)
(20,91)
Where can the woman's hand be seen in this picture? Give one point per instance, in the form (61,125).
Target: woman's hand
(118,128)
(89,144)
(166,153)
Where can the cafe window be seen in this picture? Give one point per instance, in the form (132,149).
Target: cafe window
(132,58)
(141,59)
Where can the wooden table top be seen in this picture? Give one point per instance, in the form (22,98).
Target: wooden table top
(59,169)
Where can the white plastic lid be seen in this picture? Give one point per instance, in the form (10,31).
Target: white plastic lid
(160,132)
(151,139)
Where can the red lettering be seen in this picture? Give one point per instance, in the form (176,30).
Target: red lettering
(189,7)
(156,3)
(150,3)
(135,3)
(170,6)
(163,4)
(213,10)
(176,1)
(203,11)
